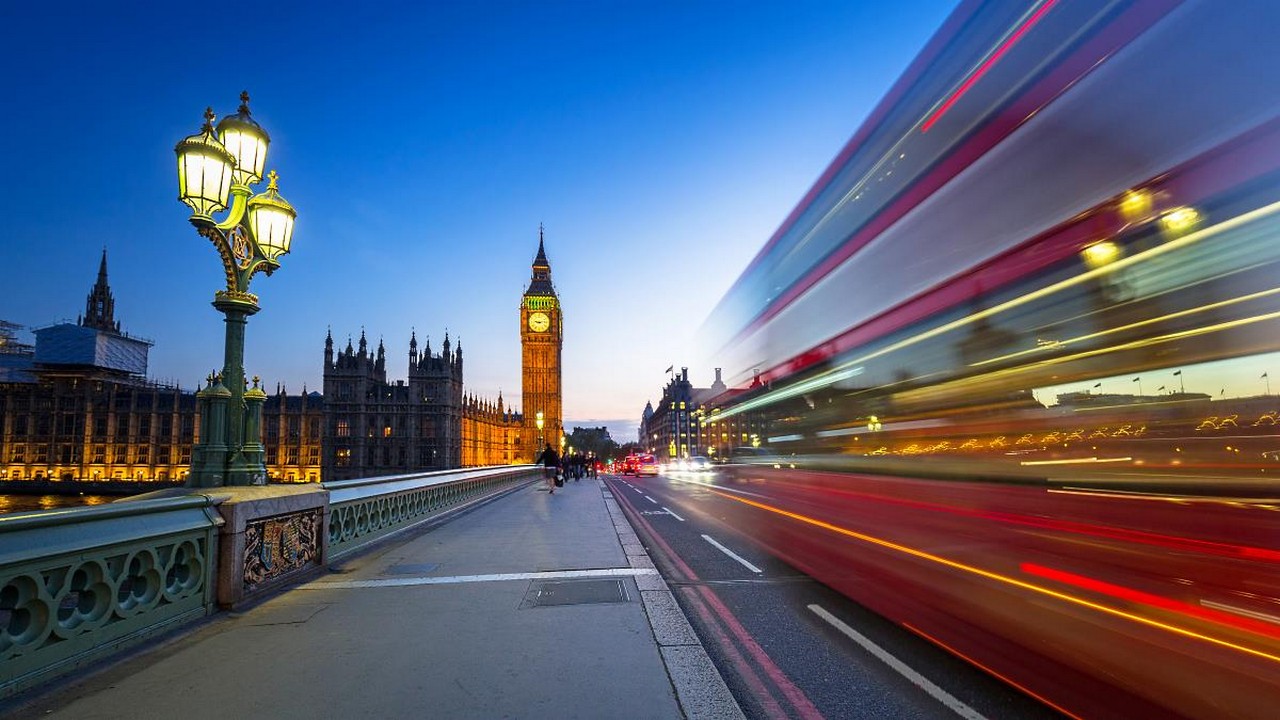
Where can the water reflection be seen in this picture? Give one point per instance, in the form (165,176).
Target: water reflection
(28,503)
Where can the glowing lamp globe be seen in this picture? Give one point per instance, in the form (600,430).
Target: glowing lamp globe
(204,170)
(247,142)
(271,220)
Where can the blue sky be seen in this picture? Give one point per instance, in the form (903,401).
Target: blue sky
(660,144)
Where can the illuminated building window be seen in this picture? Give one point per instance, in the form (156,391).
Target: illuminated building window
(344,457)
(344,429)
(386,431)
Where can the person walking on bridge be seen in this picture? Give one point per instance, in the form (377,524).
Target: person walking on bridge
(550,462)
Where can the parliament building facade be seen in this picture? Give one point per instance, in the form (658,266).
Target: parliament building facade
(78,407)
(375,426)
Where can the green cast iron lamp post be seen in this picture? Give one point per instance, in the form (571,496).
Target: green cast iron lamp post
(217,165)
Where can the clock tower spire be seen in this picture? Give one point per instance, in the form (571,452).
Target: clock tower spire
(541,345)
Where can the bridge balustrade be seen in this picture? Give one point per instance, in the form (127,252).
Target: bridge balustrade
(366,510)
(77,585)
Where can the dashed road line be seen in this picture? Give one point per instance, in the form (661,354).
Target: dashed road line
(732,554)
(902,669)
(646,497)
(664,507)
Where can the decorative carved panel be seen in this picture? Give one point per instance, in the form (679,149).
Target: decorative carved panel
(276,546)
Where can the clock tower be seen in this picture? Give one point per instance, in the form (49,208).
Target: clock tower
(541,343)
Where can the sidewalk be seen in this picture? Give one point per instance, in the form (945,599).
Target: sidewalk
(526,607)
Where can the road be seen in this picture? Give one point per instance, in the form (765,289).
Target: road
(787,645)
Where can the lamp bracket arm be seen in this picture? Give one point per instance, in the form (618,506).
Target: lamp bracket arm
(223,245)
(239,203)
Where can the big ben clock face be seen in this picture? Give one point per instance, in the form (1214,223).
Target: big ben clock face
(539,322)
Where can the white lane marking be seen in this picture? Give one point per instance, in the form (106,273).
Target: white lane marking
(455,579)
(920,681)
(732,554)
(1240,611)
(664,507)
(646,497)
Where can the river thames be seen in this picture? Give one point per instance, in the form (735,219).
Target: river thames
(25,503)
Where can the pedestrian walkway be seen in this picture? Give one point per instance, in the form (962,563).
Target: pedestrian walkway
(530,606)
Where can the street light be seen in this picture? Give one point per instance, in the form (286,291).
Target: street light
(216,168)
(540,423)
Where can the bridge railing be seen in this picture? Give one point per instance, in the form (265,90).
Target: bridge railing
(79,584)
(76,585)
(366,510)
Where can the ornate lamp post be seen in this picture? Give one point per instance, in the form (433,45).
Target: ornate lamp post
(214,166)
(540,421)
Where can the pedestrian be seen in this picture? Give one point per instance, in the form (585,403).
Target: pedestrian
(550,462)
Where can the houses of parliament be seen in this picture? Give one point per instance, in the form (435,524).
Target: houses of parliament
(78,406)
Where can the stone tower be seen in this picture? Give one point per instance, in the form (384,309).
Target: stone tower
(541,345)
(100,306)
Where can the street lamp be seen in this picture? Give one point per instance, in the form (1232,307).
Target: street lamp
(540,421)
(216,166)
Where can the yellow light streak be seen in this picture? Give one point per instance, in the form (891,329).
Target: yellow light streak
(1133,617)
(1133,345)
(1077,461)
(1124,328)
(853,367)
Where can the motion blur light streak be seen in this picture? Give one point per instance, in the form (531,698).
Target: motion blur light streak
(852,368)
(1143,598)
(987,64)
(1058,344)
(1076,461)
(1083,602)
(1068,283)
(1171,542)
(1241,611)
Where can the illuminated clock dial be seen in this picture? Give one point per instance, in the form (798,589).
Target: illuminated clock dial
(539,322)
